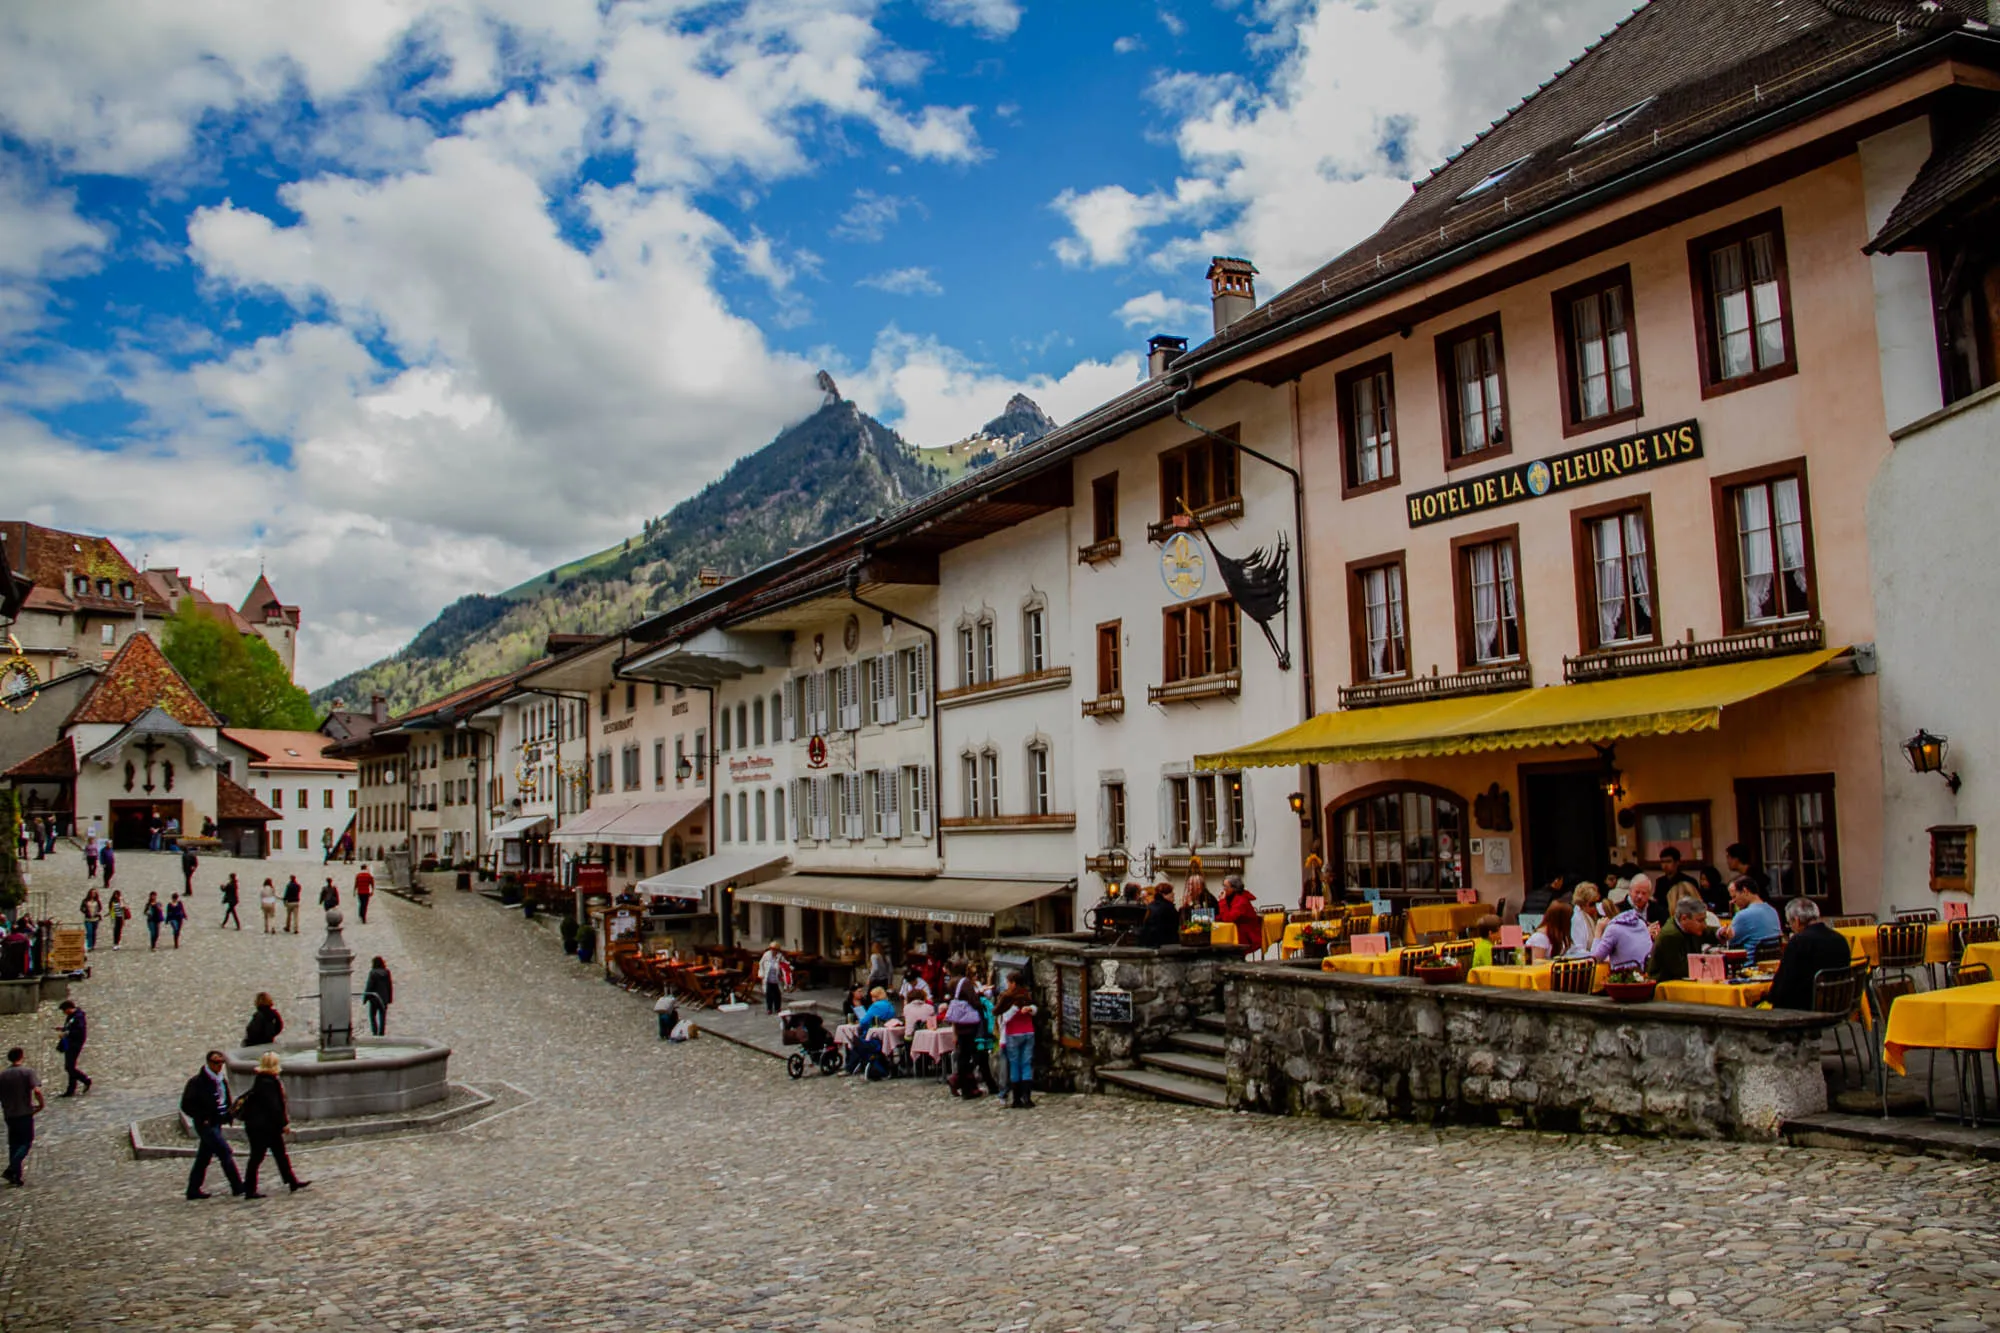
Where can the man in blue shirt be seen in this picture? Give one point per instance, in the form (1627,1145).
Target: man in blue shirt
(1755,920)
(866,1046)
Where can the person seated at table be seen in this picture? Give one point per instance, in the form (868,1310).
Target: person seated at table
(1551,939)
(1679,939)
(1239,909)
(1196,897)
(1814,947)
(1714,889)
(1162,925)
(867,1045)
(914,986)
(1627,939)
(1755,920)
(1483,931)
(1587,916)
(1685,890)
(857,1005)
(918,1012)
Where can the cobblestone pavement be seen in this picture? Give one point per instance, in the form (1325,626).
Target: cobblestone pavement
(665,1187)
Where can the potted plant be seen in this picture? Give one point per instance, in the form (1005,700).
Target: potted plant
(1194,935)
(510,889)
(1441,971)
(570,930)
(1629,985)
(1315,940)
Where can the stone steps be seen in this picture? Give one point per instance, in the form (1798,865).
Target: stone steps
(1200,1042)
(1211,1022)
(1169,1087)
(1189,1064)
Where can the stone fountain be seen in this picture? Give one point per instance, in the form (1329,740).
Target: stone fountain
(341,1074)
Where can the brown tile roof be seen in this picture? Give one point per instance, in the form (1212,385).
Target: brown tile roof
(1700,68)
(263,603)
(58,761)
(303,751)
(464,694)
(1956,168)
(234,803)
(173,589)
(139,678)
(53,558)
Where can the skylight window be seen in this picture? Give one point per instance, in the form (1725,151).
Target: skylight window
(1492,178)
(1612,123)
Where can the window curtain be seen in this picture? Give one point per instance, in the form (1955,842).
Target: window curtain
(1472,400)
(1593,389)
(1485,604)
(1635,575)
(1764,301)
(1753,528)
(1610,582)
(1791,535)
(1375,601)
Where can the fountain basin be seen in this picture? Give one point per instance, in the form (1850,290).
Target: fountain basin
(384,1074)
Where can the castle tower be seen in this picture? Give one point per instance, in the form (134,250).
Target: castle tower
(270,617)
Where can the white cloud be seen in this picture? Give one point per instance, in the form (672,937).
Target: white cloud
(1172,22)
(995,18)
(935,395)
(1162,313)
(1125,46)
(870,216)
(1369,95)
(41,238)
(903,282)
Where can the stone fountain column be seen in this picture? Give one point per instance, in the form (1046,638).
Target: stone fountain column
(336,992)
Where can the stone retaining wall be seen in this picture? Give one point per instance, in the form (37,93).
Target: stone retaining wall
(1306,1042)
(1169,987)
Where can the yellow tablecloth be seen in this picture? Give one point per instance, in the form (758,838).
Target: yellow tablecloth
(1454,917)
(1962,1018)
(1862,940)
(1747,996)
(1222,935)
(1369,965)
(1274,928)
(1988,954)
(1526,976)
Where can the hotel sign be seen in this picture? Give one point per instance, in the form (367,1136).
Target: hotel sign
(1563,472)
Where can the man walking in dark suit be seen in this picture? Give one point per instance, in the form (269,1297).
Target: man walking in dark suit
(205,1102)
(74,1032)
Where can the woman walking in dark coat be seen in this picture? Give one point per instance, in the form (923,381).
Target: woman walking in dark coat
(120,914)
(378,994)
(177,915)
(265,1023)
(155,914)
(264,1116)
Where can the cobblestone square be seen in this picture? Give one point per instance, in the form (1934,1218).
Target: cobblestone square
(649,1187)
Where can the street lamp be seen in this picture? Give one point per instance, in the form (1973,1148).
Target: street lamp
(683,769)
(1297,800)
(1927,754)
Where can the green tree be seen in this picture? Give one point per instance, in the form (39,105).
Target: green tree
(239,676)
(12,890)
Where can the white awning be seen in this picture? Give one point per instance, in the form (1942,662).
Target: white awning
(956,902)
(647,823)
(694,881)
(579,826)
(515,828)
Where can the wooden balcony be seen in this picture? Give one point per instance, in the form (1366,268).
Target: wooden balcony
(1488,680)
(1006,687)
(1007,823)
(1098,552)
(1777,641)
(1220,512)
(1104,705)
(1218,685)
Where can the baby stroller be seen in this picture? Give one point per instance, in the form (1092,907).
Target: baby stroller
(807,1031)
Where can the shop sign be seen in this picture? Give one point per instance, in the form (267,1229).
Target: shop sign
(1560,472)
(606,728)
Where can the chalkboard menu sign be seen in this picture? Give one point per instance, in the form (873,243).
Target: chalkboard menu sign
(1070,1002)
(1111,1006)
(1952,857)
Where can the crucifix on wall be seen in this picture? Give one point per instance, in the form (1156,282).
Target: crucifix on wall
(150,747)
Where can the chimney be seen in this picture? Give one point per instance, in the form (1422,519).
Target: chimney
(1161,351)
(1232,288)
(378,708)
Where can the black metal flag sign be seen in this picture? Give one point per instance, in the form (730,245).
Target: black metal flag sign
(1260,584)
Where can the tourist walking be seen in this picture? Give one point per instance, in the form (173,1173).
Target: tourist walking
(364,889)
(120,913)
(878,968)
(265,1021)
(73,1033)
(267,899)
(21,1101)
(90,856)
(107,861)
(965,1018)
(232,894)
(177,915)
(378,993)
(1016,1006)
(91,909)
(265,1116)
(329,897)
(41,837)
(776,974)
(205,1102)
(154,914)
(189,863)
(293,892)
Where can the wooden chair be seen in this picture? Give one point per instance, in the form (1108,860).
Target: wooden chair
(1837,990)
(1973,930)
(1430,937)
(1899,947)
(1574,976)
(1410,959)
(1852,922)
(1967,974)
(1916,914)
(1771,950)
(1460,952)
(1885,991)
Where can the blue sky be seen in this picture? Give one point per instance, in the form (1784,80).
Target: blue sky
(409,298)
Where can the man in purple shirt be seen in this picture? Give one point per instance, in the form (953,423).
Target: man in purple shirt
(1627,941)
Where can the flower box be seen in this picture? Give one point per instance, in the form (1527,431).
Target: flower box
(1440,974)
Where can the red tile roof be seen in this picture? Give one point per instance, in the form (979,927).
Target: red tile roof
(139,678)
(263,603)
(54,559)
(302,751)
(58,761)
(234,803)
(172,589)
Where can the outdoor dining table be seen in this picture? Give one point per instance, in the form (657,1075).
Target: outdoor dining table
(1364,964)
(1729,995)
(1274,928)
(1431,918)
(933,1043)
(1959,1018)
(1866,946)
(1290,941)
(1222,934)
(1988,954)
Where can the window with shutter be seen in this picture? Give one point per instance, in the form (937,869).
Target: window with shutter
(857,822)
(788,722)
(892,816)
(968,793)
(918,781)
(822,808)
(887,710)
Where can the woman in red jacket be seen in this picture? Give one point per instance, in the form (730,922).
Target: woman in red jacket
(1240,910)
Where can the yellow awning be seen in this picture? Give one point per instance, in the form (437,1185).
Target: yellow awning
(1661,704)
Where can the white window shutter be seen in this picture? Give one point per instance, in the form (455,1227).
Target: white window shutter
(792,808)
(1103,815)
(887,710)
(790,697)
(892,815)
(923,651)
(926,802)
(1166,812)
(857,817)
(852,721)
